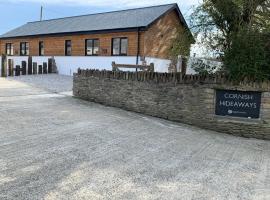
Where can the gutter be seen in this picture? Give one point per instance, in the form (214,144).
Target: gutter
(130,29)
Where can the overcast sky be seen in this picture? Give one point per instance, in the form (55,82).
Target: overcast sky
(18,12)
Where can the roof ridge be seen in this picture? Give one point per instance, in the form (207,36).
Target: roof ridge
(103,13)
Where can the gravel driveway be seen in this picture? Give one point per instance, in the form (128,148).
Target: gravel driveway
(53,82)
(53,146)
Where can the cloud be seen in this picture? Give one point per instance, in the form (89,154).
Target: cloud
(102,3)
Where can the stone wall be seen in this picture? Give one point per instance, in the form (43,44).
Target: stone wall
(185,99)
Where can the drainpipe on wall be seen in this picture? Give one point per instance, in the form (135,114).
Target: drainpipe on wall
(138,47)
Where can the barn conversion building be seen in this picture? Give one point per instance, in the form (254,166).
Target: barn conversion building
(96,40)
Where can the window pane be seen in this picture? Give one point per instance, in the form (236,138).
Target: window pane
(116,46)
(23,48)
(69,51)
(68,48)
(26,48)
(89,50)
(11,50)
(8,49)
(41,48)
(124,46)
(96,47)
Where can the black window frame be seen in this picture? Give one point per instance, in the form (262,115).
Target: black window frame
(41,48)
(9,49)
(66,48)
(93,46)
(120,46)
(26,52)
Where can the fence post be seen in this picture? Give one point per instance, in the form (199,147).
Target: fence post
(40,69)
(54,66)
(4,66)
(45,71)
(30,65)
(113,66)
(10,67)
(18,70)
(23,67)
(152,67)
(34,68)
(49,65)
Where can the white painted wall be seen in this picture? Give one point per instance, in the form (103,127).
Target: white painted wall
(18,59)
(67,65)
(161,65)
(40,59)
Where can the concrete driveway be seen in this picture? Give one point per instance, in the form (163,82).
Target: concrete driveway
(53,146)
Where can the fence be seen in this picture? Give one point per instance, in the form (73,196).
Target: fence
(29,67)
(175,78)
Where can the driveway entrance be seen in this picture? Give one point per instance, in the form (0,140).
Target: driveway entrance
(53,146)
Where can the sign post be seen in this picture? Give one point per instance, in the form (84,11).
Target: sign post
(238,104)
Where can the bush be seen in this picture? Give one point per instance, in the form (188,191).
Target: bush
(248,56)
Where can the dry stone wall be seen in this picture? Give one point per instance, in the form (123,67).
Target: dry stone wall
(185,99)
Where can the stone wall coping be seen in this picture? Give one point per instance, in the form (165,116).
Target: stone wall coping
(218,81)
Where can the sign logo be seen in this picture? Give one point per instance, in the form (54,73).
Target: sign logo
(238,103)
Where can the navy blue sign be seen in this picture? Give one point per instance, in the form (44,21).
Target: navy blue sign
(238,103)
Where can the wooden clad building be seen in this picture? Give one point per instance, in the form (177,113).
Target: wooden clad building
(143,32)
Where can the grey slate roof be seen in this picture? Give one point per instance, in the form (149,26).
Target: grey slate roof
(133,18)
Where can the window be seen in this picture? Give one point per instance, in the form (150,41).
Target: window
(68,48)
(91,47)
(24,49)
(41,48)
(119,46)
(9,49)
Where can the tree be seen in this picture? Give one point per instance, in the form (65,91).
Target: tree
(219,20)
(180,45)
(240,29)
(248,56)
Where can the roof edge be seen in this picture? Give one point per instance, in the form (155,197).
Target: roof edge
(130,29)
(139,8)
(180,15)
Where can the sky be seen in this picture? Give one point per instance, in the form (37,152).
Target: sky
(14,13)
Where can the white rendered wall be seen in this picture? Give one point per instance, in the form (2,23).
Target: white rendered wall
(67,65)
(161,65)
(18,60)
(40,59)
